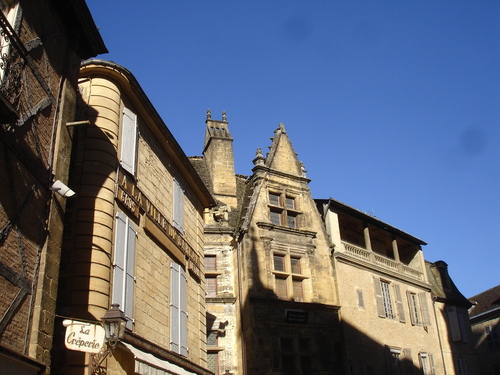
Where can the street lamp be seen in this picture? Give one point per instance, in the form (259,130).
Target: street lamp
(114,322)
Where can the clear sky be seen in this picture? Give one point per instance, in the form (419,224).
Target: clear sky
(393,106)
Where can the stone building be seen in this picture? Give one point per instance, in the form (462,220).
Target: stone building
(454,328)
(133,234)
(384,293)
(41,46)
(272,302)
(485,320)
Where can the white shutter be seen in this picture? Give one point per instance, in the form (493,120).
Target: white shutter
(378,297)
(123,264)
(128,152)
(178,206)
(118,293)
(399,303)
(129,276)
(174,307)
(453,322)
(183,312)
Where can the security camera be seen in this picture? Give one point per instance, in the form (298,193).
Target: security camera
(62,189)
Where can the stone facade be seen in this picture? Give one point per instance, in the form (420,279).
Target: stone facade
(273,304)
(135,232)
(41,46)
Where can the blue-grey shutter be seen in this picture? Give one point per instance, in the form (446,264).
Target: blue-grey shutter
(178,206)
(461,323)
(118,295)
(129,276)
(183,312)
(378,297)
(128,152)
(399,304)
(174,307)
(453,323)
(426,318)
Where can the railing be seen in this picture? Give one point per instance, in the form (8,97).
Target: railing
(381,261)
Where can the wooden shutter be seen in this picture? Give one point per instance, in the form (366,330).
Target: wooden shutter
(128,152)
(426,320)
(178,206)
(399,303)
(183,312)
(378,297)
(431,363)
(361,302)
(453,323)
(408,361)
(174,307)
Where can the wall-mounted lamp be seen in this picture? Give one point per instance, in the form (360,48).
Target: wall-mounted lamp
(114,322)
(61,189)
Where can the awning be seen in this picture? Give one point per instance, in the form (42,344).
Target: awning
(148,364)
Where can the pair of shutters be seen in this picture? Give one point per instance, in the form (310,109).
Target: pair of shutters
(123,264)
(381,309)
(456,321)
(178,309)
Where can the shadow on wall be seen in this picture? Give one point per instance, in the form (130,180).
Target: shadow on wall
(93,160)
(300,338)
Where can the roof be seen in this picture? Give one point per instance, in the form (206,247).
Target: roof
(367,218)
(442,286)
(486,301)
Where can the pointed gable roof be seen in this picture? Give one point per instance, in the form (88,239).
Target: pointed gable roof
(282,157)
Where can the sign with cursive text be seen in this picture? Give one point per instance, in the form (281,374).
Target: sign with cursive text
(83,337)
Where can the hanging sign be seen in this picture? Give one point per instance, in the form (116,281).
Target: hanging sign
(83,337)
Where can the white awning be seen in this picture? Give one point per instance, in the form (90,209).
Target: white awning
(148,364)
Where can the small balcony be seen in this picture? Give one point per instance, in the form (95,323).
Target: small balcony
(369,257)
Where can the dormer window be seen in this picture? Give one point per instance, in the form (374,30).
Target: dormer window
(282,210)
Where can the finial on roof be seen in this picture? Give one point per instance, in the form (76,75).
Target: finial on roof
(209,114)
(303,169)
(259,158)
(224,116)
(281,128)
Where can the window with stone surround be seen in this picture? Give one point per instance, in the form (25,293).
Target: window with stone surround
(385,306)
(296,355)
(426,363)
(288,277)
(283,209)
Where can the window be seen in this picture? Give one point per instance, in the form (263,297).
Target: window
(384,301)
(128,152)
(426,363)
(492,337)
(361,302)
(395,361)
(212,355)
(282,210)
(123,265)
(178,216)
(296,355)
(211,274)
(178,309)
(288,277)
(9,10)
(414,309)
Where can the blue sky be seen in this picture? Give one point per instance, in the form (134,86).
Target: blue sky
(393,106)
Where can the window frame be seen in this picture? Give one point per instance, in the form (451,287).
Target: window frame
(289,280)
(178,309)
(283,209)
(211,273)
